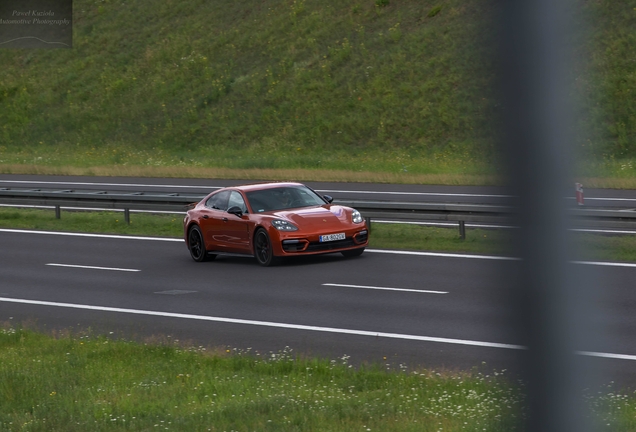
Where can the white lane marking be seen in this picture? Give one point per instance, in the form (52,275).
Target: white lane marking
(385,288)
(305,327)
(384,251)
(489,257)
(606,199)
(113,236)
(92,267)
(110,184)
(607,264)
(607,355)
(602,231)
(268,324)
(416,193)
(443,255)
(175,292)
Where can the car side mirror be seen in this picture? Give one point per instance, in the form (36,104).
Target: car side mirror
(328,198)
(236,211)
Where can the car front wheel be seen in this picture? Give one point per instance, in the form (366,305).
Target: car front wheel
(263,249)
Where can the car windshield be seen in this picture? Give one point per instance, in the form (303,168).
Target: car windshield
(282,198)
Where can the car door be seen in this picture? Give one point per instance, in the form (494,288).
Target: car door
(236,230)
(211,221)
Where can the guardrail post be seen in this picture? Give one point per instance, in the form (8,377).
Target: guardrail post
(368,221)
(58,212)
(127,215)
(462,230)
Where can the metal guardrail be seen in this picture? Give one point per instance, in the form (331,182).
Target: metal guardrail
(407,211)
(484,213)
(115,200)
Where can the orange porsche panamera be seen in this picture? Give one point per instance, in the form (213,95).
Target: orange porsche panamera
(271,221)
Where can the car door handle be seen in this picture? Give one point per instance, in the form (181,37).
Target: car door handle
(205,216)
(224,219)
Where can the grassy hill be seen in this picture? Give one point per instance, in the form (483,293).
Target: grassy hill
(366,85)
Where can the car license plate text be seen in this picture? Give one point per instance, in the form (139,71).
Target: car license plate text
(332,237)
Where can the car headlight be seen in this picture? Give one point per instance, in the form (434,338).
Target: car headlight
(283,225)
(356,216)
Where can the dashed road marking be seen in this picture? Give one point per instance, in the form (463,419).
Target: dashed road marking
(385,288)
(176,292)
(382,251)
(92,267)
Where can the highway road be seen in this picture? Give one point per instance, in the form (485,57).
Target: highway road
(620,199)
(441,311)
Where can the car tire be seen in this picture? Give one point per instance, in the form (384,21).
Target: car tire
(352,252)
(263,251)
(196,245)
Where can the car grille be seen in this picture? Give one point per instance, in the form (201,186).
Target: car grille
(338,244)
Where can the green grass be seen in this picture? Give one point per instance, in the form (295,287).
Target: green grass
(93,222)
(80,383)
(84,382)
(425,238)
(607,107)
(607,248)
(383,236)
(274,84)
(386,236)
(354,86)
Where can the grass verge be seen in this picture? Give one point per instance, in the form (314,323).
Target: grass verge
(84,382)
(374,86)
(602,175)
(93,383)
(352,86)
(280,174)
(383,236)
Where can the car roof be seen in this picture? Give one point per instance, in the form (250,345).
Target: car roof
(261,186)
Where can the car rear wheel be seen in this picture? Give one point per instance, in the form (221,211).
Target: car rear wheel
(197,245)
(353,252)
(263,249)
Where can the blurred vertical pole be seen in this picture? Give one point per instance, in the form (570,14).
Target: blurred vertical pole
(535,82)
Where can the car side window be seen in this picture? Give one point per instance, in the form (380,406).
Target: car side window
(218,201)
(237,200)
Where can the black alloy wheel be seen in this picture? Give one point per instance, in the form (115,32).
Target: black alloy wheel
(197,245)
(263,249)
(353,252)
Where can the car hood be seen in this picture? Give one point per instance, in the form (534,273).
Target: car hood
(317,217)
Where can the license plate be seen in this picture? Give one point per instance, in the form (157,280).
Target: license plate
(332,237)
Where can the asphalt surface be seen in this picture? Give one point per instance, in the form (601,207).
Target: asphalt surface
(159,293)
(442,312)
(608,198)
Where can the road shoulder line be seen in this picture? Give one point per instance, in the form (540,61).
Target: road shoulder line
(463,342)
(382,251)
